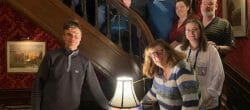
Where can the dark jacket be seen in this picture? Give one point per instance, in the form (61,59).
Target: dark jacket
(60,79)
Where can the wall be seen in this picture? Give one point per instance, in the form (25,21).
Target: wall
(239,57)
(15,27)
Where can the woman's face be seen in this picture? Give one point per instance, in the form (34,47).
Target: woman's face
(192,32)
(159,56)
(181,9)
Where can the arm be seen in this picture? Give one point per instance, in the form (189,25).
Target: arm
(95,87)
(227,39)
(38,84)
(150,97)
(223,49)
(188,88)
(217,75)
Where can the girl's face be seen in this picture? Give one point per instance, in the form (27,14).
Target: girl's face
(192,32)
(181,9)
(159,56)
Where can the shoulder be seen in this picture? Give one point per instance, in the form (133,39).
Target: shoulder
(182,68)
(84,59)
(222,21)
(178,47)
(211,50)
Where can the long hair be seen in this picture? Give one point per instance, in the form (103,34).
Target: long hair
(149,68)
(202,39)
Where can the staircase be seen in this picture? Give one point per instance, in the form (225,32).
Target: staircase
(107,57)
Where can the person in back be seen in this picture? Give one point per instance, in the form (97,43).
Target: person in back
(218,30)
(205,62)
(184,12)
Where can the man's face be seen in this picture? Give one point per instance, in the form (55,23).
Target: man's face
(208,8)
(72,38)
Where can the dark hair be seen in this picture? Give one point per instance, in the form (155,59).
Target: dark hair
(202,40)
(71,24)
(188,4)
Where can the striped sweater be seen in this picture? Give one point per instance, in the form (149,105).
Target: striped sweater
(179,92)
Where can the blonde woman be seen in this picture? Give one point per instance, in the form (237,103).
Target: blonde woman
(174,86)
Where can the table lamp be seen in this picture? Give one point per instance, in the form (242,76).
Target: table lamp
(124,97)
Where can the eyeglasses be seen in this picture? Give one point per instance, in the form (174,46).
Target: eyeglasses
(191,31)
(157,52)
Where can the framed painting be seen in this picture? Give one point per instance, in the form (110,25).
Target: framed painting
(24,56)
(235,12)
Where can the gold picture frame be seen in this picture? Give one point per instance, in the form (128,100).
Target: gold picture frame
(235,12)
(24,56)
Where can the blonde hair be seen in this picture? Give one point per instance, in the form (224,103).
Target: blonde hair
(149,68)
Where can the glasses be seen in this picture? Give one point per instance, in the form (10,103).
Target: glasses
(192,31)
(157,53)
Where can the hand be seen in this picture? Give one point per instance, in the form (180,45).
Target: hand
(211,43)
(214,44)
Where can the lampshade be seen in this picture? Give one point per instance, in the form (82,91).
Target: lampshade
(124,96)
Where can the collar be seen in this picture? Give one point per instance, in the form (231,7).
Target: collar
(71,52)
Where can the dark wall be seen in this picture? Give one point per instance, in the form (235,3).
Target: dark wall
(16,27)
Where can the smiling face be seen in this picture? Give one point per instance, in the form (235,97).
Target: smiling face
(72,38)
(181,9)
(159,56)
(208,8)
(192,32)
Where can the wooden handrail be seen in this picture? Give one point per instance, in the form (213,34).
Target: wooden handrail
(133,17)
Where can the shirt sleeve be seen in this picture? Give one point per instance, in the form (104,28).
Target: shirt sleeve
(229,37)
(95,87)
(188,88)
(39,82)
(217,74)
(150,97)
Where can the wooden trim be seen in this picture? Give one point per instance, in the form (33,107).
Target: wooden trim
(237,78)
(15,97)
(235,93)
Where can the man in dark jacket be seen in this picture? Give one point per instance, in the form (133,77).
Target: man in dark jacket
(61,76)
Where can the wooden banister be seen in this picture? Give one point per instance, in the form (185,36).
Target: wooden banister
(106,56)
